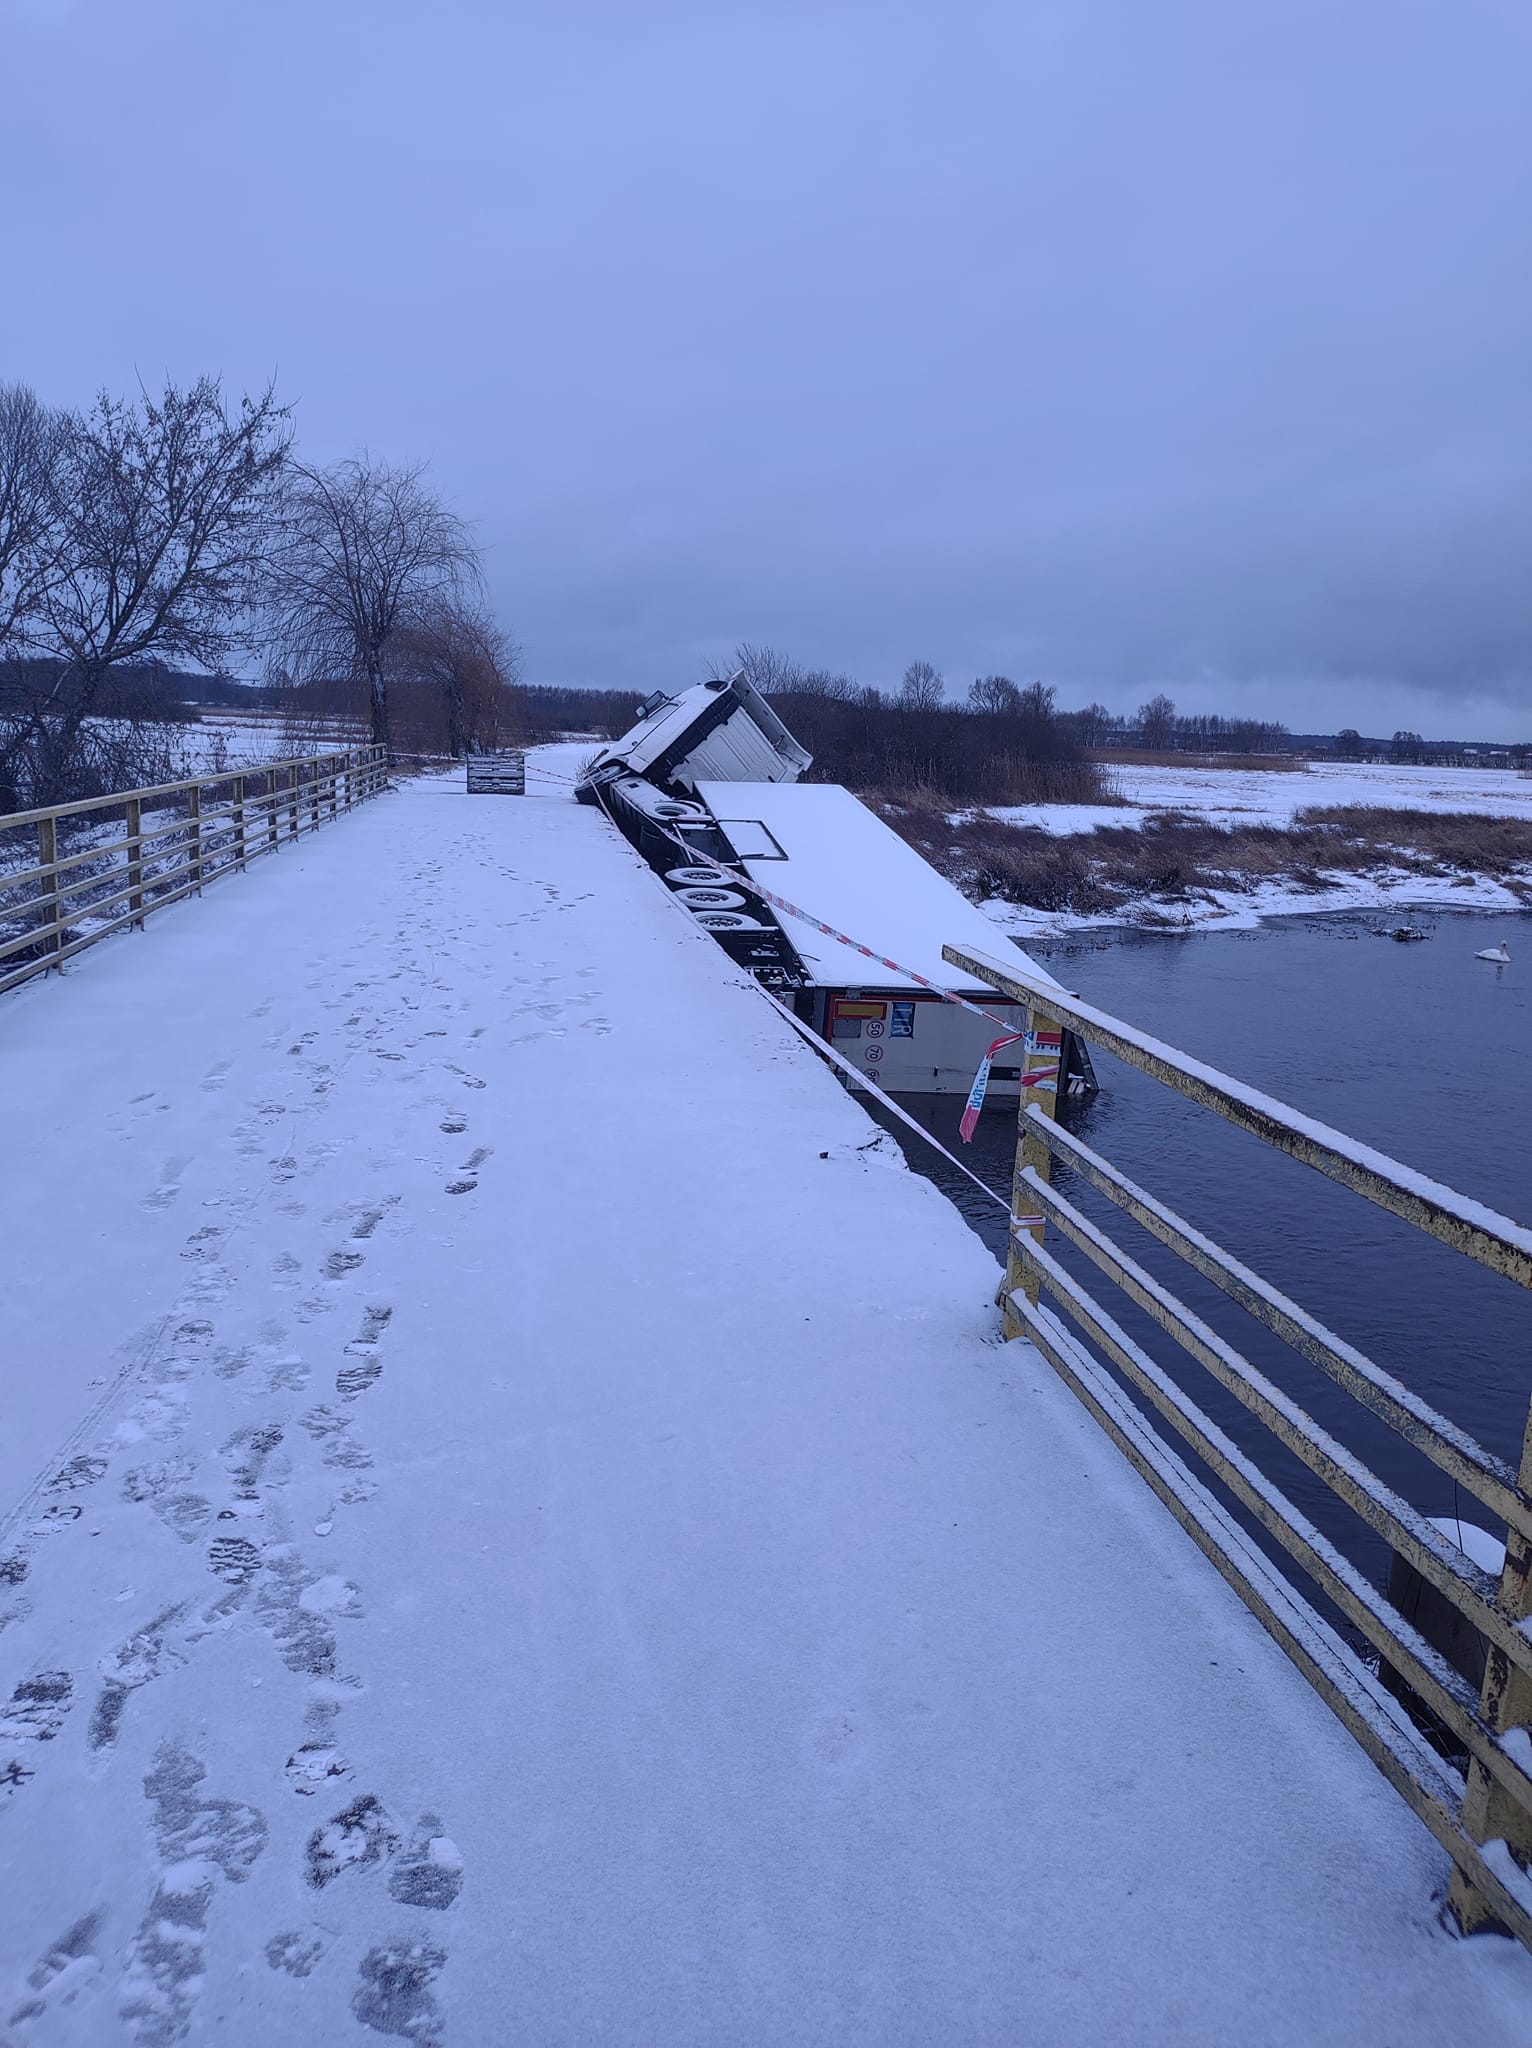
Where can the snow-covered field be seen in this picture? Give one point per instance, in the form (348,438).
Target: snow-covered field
(518,1528)
(1234,796)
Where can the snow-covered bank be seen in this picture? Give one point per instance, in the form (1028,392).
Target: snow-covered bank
(1390,891)
(523,1531)
(1235,799)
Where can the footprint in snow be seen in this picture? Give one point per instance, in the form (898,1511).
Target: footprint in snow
(185,1515)
(35,1711)
(360,1835)
(199,1840)
(296,1952)
(150,1482)
(146,1655)
(429,1871)
(77,1473)
(367,1220)
(248,1453)
(234,1559)
(393,1993)
(315,1765)
(67,1973)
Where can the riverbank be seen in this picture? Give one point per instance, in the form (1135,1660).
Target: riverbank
(1205,848)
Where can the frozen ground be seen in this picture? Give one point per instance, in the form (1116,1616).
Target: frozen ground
(519,1529)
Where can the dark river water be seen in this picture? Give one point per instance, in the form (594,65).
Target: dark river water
(1420,1050)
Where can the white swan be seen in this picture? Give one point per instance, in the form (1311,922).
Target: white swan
(1498,954)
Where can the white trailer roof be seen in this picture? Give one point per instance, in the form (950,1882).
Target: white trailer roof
(839,861)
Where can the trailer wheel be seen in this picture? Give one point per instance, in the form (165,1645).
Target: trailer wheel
(711,898)
(693,878)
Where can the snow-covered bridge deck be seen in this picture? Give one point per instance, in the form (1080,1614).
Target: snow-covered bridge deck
(521,1531)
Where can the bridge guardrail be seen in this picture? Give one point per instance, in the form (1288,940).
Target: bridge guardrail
(1484,1821)
(89,880)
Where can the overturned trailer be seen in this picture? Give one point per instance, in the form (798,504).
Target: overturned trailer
(793,879)
(724,731)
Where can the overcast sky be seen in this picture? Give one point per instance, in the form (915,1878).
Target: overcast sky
(1132,344)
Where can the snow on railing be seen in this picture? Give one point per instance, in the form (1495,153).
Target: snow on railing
(1486,1724)
(72,874)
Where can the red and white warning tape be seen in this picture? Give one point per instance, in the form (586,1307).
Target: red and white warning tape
(1045,1044)
(827,1051)
(736,880)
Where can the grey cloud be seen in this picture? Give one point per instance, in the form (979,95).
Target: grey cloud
(1177,346)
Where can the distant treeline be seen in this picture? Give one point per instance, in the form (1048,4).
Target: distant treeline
(130,690)
(1006,744)
(1027,755)
(546,711)
(1350,745)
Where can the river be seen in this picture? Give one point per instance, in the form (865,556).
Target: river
(1421,1050)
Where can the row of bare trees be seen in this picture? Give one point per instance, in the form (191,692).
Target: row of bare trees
(181,530)
(1031,723)
(1005,744)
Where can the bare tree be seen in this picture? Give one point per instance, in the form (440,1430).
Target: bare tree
(995,695)
(159,512)
(465,667)
(1036,703)
(1157,721)
(920,688)
(1092,725)
(765,669)
(366,549)
(31,439)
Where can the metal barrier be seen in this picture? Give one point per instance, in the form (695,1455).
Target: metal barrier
(101,869)
(498,774)
(1484,1821)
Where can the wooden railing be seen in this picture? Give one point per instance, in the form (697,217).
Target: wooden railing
(75,873)
(1483,1820)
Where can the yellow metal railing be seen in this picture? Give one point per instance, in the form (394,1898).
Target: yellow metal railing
(1483,1819)
(101,865)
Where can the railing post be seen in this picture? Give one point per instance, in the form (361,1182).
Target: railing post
(1490,1813)
(271,810)
(135,827)
(194,816)
(239,820)
(1041,1048)
(313,795)
(47,857)
(292,814)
